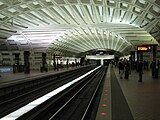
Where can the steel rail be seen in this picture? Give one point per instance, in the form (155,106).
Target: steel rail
(64,105)
(93,96)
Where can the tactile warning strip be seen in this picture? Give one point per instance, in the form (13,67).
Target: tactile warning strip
(120,107)
(104,109)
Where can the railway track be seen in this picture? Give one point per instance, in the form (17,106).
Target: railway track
(27,92)
(74,103)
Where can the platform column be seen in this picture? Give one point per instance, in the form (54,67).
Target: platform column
(54,61)
(26,62)
(67,63)
(76,62)
(44,63)
(16,65)
(57,65)
(81,61)
(154,49)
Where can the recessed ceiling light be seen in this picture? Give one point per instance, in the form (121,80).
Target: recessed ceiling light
(48,0)
(125,4)
(2,16)
(12,10)
(137,9)
(23,6)
(1,3)
(35,3)
(142,1)
(149,16)
(156,9)
(111,1)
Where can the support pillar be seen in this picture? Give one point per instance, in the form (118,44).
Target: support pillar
(26,62)
(154,49)
(17,58)
(81,61)
(54,61)
(16,64)
(57,65)
(76,62)
(67,63)
(102,63)
(44,66)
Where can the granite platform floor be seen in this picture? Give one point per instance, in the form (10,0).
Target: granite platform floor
(143,98)
(13,77)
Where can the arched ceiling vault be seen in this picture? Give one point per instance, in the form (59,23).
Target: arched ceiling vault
(71,27)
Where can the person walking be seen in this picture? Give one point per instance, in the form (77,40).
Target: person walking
(140,70)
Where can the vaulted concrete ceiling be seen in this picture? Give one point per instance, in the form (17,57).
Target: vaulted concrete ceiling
(70,27)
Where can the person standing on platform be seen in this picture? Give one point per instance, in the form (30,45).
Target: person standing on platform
(147,64)
(157,69)
(126,68)
(140,70)
(41,69)
(144,64)
(121,68)
(153,66)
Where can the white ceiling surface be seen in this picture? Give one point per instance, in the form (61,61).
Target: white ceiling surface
(75,26)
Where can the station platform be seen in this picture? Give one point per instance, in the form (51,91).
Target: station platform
(122,99)
(10,77)
(143,98)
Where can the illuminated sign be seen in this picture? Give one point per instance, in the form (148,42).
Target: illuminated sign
(144,48)
(58,56)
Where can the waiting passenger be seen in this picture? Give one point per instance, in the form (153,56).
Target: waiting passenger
(126,68)
(121,68)
(140,70)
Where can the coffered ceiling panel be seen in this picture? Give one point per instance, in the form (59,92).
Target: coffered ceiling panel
(71,27)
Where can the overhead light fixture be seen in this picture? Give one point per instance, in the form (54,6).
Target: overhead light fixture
(85,31)
(92,31)
(142,1)
(1,3)
(98,32)
(23,6)
(35,2)
(90,9)
(111,1)
(48,0)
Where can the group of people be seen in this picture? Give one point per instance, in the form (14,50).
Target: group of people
(125,68)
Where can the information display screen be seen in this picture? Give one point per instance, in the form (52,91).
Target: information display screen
(145,48)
